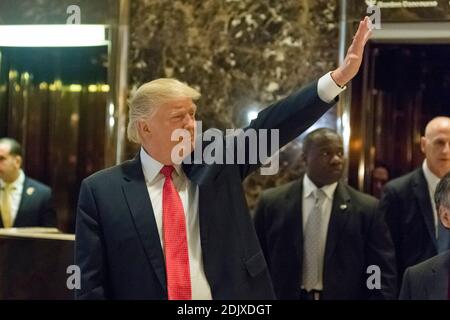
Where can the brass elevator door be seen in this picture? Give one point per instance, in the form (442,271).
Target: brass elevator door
(54,102)
(397,91)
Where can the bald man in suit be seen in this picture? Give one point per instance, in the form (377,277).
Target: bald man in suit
(407,202)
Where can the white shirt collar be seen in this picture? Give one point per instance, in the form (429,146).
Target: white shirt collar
(309,187)
(431,178)
(18,182)
(152,167)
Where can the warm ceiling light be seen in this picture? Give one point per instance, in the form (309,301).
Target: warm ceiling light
(65,35)
(75,88)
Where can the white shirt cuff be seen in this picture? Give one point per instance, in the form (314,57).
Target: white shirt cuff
(327,89)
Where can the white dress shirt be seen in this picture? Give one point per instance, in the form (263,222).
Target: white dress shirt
(432,182)
(16,194)
(327,91)
(188,192)
(307,207)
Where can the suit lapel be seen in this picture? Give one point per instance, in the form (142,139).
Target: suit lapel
(204,176)
(437,286)
(340,212)
(136,194)
(25,202)
(206,193)
(423,197)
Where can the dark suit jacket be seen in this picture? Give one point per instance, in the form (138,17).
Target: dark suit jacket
(428,280)
(357,238)
(407,208)
(117,244)
(35,209)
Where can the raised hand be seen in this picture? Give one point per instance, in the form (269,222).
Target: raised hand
(352,61)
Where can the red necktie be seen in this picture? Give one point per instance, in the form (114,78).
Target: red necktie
(175,241)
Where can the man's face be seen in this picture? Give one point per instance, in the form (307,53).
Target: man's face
(444,215)
(380,177)
(177,114)
(325,159)
(436,147)
(9,164)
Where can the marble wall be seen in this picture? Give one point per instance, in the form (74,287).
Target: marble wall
(241,54)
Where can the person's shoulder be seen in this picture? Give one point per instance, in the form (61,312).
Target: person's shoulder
(363,200)
(436,262)
(405,181)
(361,196)
(39,186)
(277,193)
(272,202)
(111,174)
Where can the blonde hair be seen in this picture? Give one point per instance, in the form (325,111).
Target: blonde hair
(151,95)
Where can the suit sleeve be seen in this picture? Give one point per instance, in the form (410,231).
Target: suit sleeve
(89,248)
(283,121)
(405,292)
(380,252)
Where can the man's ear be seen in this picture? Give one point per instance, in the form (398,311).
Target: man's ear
(303,157)
(444,215)
(143,128)
(423,142)
(18,160)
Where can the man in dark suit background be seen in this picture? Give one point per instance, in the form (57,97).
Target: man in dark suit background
(24,202)
(407,201)
(153,229)
(429,280)
(319,235)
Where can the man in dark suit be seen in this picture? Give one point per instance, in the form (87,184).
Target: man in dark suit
(429,280)
(153,229)
(407,201)
(320,247)
(24,202)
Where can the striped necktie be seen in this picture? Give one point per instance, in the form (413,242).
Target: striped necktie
(5,205)
(312,254)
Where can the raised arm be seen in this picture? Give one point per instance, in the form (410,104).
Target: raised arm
(352,61)
(294,114)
